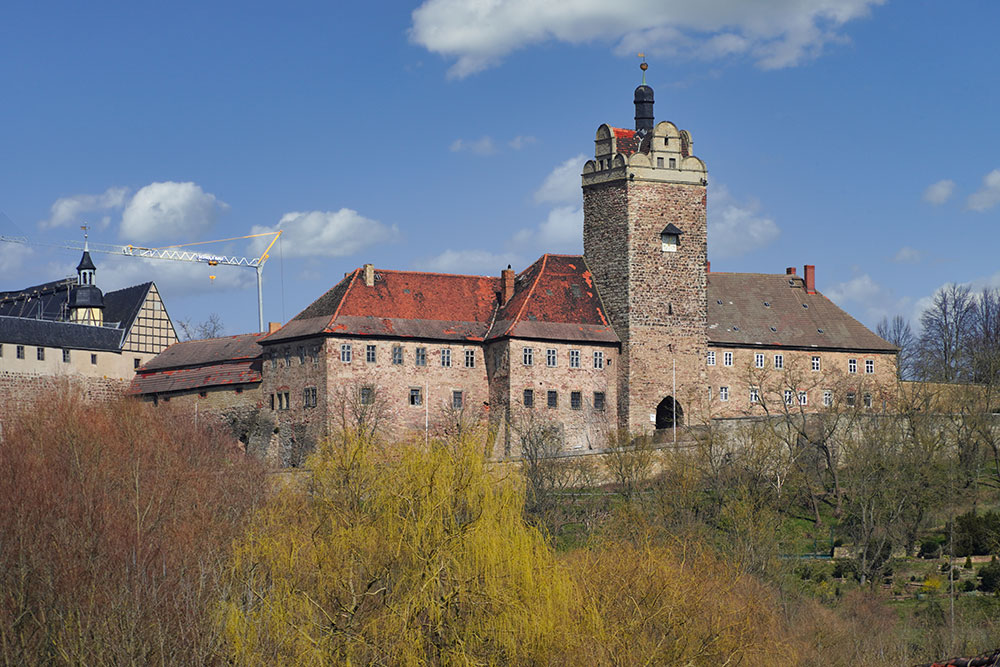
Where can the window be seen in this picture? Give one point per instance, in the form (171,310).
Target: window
(456,399)
(815,363)
(575,400)
(415,397)
(710,359)
(529,398)
(40,354)
(528,356)
(370,354)
(758,360)
(19,352)
(302,355)
(553,398)
(788,397)
(421,359)
(314,353)
(852,365)
(827,398)
(397,355)
(93,360)
(709,393)
(599,359)
(309,397)
(723,393)
(446,358)
(66,358)
(851,397)
(803,398)
(727,358)
(574,358)
(869,366)
(659,162)
(202,394)
(288,403)
(868,400)
(367,395)
(288,357)
(754,395)
(272,401)
(673,163)
(599,400)
(282,400)
(1,350)
(345,353)
(135,362)
(274,361)
(470,358)
(779,361)
(550,357)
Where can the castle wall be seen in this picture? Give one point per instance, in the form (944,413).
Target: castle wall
(85,363)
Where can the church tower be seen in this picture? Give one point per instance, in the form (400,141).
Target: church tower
(86,301)
(645,240)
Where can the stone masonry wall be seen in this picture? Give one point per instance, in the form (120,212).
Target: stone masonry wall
(19,390)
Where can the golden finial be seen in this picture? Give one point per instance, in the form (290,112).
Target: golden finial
(643,66)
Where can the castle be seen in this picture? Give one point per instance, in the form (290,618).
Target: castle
(636,333)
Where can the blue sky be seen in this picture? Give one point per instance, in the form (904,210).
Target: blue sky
(857,135)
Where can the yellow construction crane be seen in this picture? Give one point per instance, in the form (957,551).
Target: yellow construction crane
(177,253)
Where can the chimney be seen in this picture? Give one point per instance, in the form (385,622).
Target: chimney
(790,271)
(708,267)
(273,326)
(506,284)
(810,271)
(369,275)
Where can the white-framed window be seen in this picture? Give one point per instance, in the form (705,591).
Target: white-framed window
(723,393)
(528,356)
(852,365)
(827,398)
(446,357)
(19,351)
(803,398)
(421,356)
(369,354)
(727,358)
(416,397)
(815,363)
(710,358)
(779,361)
(302,355)
(309,397)
(345,352)
(470,358)
(574,358)
(314,353)
(598,359)
(397,355)
(758,360)
(550,357)
(40,354)
(754,395)
(66,358)
(851,399)
(788,397)
(93,360)
(869,366)
(868,400)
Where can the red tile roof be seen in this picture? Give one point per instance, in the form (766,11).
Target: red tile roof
(775,310)
(197,364)
(626,141)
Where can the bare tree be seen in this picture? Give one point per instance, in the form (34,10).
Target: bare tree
(211,327)
(898,332)
(942,350)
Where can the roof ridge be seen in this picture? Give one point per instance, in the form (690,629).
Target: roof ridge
(437,273)
(531,290)
(336,311)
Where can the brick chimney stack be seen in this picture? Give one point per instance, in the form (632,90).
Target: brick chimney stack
(273,326)
(708,267)
(506,284)
(790,271)
(369,275)
(810,270)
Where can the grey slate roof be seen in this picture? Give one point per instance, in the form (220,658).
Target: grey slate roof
(207,351)
(46,333)
(775,310)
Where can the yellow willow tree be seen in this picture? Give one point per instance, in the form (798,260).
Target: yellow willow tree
(413,556)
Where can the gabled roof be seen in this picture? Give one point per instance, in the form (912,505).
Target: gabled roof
(48,333)
(405,304)
(207,351)
(46,301)
(775,310)
(123,305)
(555,299)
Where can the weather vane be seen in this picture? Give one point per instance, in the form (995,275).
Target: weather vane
(643,66)
(86,228)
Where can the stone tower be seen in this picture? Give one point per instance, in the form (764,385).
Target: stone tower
(644,239)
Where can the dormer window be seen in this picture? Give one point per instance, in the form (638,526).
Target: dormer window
(670,238)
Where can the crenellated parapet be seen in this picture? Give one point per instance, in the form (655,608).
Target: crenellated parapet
(663,156)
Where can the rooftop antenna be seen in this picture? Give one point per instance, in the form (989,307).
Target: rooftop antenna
(643,66)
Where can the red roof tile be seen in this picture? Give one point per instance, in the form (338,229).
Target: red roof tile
(187,379)
(626,141)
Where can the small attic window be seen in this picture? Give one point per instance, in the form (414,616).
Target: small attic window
(767,304)
(735,328)
(774,330)
(805,305)
(819,331)
(719,301)
(670,238)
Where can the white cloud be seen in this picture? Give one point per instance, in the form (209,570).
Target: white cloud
(776,34)
(70,210)
(520,141)
(563,183)
(735,228)
(940,192)
(325,233)
(561,231)
(987,196)
(907,255)
(13,256)
(874,300)
(481,146)
(474,262)
(169,210)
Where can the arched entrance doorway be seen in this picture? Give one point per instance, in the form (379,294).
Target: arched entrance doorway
(667,411)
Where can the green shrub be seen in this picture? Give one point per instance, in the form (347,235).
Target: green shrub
(968,562)
(930,548)
(989,576)
(977,534)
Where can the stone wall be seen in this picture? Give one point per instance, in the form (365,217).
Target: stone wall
(19,390)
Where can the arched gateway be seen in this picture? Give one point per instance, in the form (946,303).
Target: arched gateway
(667,411)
